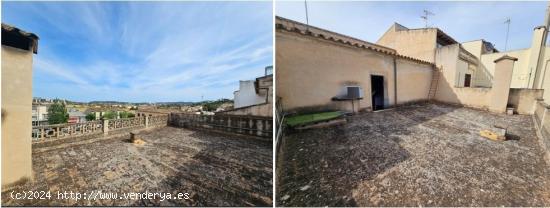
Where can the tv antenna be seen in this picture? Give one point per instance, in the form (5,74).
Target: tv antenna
(307,18)
(425,16)
(508,21)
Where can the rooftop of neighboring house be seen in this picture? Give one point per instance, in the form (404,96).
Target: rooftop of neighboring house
(17,38)
(488,47)
(304,29)
(76,114)
(442,37)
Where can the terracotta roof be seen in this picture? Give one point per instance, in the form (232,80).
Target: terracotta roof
(12,36)
(303,29)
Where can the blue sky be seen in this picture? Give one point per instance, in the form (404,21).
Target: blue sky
(144,51)
(464,21)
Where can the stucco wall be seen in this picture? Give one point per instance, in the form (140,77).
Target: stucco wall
(448,91)
(447,61)
(16,115)
(413,81)
(414,43)
(472,97)
(246,95)
(542,122)
(474,47)
(546,73)
(310,72)
(524,100)
(520,75)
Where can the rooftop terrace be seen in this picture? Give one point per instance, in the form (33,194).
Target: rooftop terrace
(215,169)
(420,155)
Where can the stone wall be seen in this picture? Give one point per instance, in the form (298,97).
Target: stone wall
(265,109)
(259,126)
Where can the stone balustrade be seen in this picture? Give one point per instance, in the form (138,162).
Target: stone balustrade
(248,125)
(57,131)
(93,128)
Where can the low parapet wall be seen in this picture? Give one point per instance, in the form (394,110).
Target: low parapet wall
(264,109)
(260,126)
(541,118)
(62,133)
(524,101)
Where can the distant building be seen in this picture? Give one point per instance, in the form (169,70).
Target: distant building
(76,116)
(249,92)
(18,48)
(246,95)
(254,97)
(39,114)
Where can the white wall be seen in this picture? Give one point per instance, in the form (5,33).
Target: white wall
(246,95)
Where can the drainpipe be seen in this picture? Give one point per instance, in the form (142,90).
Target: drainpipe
(395,80)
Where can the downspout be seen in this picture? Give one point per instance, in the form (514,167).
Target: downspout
(395,81)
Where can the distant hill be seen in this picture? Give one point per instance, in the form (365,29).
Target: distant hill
(175,103)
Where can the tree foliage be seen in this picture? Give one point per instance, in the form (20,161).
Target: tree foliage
(57,113)
(125,114)
(213,105)
(90,116)
(109,115)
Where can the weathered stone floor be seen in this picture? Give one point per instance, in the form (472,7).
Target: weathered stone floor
(215,169)
(421,155)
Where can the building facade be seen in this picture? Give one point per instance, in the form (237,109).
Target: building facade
(319,70)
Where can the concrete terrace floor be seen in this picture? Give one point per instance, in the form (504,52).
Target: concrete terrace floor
(215,169)
(421,155)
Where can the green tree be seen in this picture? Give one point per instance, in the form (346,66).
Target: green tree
(109,115)
(125,114)
(57,113)
(90,117)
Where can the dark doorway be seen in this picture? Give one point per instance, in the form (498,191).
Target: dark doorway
(467,80)
(377,92)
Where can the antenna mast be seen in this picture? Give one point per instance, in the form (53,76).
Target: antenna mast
(508,21)
(425,17)
(307,18)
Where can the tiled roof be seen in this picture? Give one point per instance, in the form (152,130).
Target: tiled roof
(11,30)
(303,29)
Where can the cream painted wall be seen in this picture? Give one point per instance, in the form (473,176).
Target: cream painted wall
(474,47)
(447,60)
(413,81)
(520,76)
(462,69)
(485,98)
(546,74)
(310,72)
(16,115)
(414,43)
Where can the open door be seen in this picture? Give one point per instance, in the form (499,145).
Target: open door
(377,92)
(467,80)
